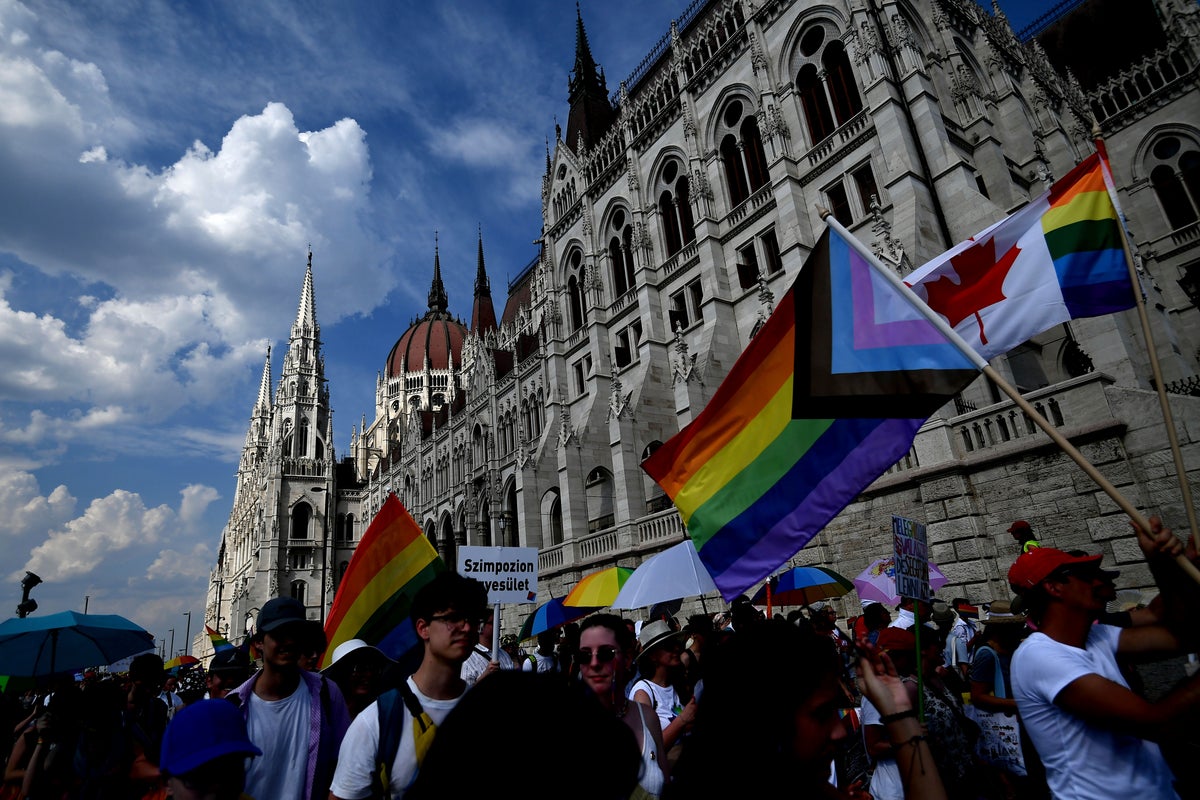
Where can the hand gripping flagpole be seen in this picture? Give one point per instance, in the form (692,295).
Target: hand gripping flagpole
(933,317)
(1151,348)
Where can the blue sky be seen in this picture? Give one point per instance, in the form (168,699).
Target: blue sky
(163,169)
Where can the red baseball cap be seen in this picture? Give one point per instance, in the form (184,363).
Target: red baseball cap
(1019,525)
(1035,566)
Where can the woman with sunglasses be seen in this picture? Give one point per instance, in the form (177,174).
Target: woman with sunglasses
(603,656)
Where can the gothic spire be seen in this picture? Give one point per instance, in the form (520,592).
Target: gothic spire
(584,77)
(483,313)
(306,316)
(264,386)
(591,113)
(438,303)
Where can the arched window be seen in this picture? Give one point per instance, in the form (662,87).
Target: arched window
(742,157)
(302,440)
(300,591)
(735,178)
(1175,176)
(552,522)
(674,206)
(348,530)
(301,515)
(825,83)
(575,292)
(620,252)
(839,77)
(812,102)
(752,151)
(599,490)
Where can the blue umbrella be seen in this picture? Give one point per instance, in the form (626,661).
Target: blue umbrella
(802,586)
(550,615)
(67,641)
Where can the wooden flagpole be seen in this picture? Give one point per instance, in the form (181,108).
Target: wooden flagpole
(1151,349)
(1139,521)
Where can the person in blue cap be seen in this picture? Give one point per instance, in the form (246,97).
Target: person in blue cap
(204,752)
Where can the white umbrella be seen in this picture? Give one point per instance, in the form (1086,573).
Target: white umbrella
(674,573)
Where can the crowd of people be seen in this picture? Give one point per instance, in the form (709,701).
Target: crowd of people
(1031,698)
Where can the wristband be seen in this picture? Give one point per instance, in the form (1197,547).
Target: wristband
(899,715)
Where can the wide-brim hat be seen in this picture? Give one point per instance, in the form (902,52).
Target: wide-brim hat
(202,732)
(344,658)
(655,633)
(1001,612)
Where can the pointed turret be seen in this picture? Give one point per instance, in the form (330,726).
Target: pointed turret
(306,315)
(264,386)
(483,313)
(591,114)
(438,302)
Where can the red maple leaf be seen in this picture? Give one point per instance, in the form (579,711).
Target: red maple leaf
(980,283)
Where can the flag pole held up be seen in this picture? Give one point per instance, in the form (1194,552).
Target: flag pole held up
(1069,449)
(1151,347)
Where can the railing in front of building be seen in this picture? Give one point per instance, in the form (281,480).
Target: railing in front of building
(303,468)
(624,300)
(657,527)
(552,557)
(598,545)
(1161,72)
(1079,401)
(687,255)
(832,143)
(751,203)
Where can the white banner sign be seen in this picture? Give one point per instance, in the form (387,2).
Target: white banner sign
(912,559)
(509,573)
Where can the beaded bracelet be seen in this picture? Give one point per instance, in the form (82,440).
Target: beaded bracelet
(899,715)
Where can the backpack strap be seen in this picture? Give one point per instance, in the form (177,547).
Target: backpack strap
(390,734)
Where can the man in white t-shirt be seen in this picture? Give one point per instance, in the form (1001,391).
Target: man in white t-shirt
(446,614)
(544,660)
(295,717)
(1094,735)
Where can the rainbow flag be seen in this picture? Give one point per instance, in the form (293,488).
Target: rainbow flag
(393,561)
(827,396)
(1057,259)
(219,642)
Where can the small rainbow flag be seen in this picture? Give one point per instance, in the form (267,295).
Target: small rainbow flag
(828,395)
(1057,259)
(219,642)
(393,561)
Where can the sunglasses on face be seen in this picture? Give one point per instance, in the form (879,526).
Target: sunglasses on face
(603,654)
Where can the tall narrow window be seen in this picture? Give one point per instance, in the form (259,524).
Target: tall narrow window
(301,516)
(864,182)
(771,257)
(840,77)
(747,266)
(813,102)
(1176,180)
(683,204)
(735,178)
(756,159)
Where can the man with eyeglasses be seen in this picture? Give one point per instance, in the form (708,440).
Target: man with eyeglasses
(1095,736)
(445,614)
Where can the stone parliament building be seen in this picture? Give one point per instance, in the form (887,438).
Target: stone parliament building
(676,208)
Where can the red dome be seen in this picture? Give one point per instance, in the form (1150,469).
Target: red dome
(437,336)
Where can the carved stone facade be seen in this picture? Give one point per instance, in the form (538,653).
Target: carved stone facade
(919,123)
